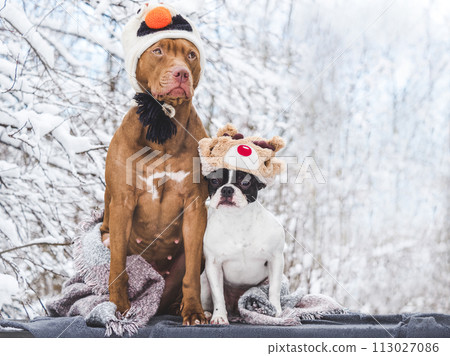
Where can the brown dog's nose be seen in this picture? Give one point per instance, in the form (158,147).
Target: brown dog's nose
(181,74)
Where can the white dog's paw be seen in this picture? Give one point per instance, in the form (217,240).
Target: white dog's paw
(208,315)
(219,319)
(278,310)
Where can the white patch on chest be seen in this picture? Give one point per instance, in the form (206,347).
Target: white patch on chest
(164,176)
(177,176)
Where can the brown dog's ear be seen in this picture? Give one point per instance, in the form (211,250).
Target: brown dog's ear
(227,130)
(277,142)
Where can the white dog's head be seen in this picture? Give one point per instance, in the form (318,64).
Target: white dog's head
(232,189)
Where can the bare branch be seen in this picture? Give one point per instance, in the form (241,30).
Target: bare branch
(36,244)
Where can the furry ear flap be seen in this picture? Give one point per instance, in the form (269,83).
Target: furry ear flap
(277,142)
(204,146)
(227,130)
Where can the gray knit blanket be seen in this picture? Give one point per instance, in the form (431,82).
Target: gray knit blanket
(86,293)
(255,308)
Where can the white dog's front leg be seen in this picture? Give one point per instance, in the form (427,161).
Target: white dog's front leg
(275,275)
(214,273)
(205,293)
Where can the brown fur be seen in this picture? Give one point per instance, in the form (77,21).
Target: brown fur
(134,221)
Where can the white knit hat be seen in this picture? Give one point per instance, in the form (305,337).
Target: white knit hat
(154,22)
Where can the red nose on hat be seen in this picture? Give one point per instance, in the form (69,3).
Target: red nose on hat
(157,18)
(244,150)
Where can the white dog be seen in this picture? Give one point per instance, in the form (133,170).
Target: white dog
(243,244)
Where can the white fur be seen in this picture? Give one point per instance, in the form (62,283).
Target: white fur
(238,242)
(177,176)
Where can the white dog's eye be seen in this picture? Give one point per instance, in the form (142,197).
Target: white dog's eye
(245,183)
(214,181)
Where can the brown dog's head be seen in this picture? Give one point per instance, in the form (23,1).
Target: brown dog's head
(170,70)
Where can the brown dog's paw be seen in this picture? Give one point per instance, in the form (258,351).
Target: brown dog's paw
(195,319)
(193,315)
(123,304)
(106,240)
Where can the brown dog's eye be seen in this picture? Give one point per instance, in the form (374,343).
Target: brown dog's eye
(192,55)
(157,51)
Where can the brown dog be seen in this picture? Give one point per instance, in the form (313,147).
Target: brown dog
(153,219)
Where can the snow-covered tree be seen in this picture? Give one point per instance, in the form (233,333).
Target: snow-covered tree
(361,88)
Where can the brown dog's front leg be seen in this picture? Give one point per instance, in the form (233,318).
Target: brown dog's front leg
(121,215)
(194,225)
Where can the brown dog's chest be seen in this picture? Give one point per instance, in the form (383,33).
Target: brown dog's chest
(160,251)
(164,183)
(156,231)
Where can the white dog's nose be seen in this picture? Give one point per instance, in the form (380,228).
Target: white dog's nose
(227,191)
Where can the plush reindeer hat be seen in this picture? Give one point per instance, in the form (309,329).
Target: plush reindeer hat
(154,22)
(230,150)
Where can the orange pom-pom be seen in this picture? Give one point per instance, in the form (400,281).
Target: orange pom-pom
(157,18)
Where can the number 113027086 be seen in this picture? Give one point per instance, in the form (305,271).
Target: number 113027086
(405,347)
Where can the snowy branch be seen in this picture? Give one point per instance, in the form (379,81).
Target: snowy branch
(35,244)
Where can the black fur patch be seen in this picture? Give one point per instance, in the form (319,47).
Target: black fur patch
(251,187)
(178,23)
(216,180)
(151,114)
(219,178)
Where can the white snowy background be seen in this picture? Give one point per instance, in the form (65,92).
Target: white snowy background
(362,87)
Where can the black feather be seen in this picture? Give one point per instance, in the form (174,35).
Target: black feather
(151,114)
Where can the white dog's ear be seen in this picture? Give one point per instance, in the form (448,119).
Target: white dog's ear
(260,184)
